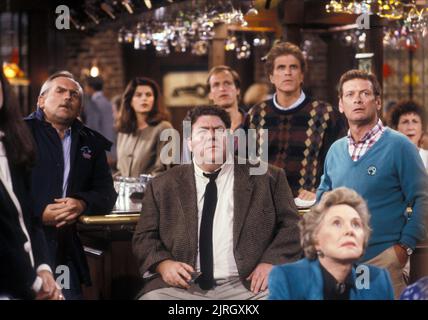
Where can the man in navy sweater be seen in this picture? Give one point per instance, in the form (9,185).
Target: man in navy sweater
(71,176)
(385,168)
(300,129)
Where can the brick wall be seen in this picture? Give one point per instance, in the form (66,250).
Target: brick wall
(259,66)
(316,78)
(82,49)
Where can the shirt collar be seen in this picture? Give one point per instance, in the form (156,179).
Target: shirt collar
(378,127)
(40,115)
(200,173)
(294,105)
(331,285)
(67,133)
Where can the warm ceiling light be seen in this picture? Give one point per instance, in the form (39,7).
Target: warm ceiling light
(14,74)
(10,70)
(94,72)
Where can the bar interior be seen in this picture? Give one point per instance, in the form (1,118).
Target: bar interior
(143,66)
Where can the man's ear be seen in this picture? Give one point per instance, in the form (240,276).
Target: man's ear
(210,95)
(41,102)
(340,105)
(378,103)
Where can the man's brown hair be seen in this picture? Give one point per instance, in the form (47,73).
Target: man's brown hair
(284,49)
(359,74)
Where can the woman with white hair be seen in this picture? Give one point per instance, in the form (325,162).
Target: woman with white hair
(334,235)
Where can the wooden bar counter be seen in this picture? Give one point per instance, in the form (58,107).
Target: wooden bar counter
(107,243)
(114,270)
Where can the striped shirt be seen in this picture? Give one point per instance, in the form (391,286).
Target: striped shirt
(66,149)
(358,149)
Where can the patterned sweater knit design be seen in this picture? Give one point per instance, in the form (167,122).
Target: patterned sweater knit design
(298,139)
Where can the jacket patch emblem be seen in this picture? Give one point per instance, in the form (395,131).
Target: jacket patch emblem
(371,170)
(86,152)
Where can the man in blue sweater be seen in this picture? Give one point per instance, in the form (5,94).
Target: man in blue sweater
(385,168)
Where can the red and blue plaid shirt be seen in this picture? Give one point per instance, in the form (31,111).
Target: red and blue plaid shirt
(358,149)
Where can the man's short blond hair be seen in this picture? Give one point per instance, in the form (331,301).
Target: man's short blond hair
(223,68)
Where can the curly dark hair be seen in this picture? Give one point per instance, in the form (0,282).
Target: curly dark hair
(211,110)
(405,107)
(17,138)
(127,119)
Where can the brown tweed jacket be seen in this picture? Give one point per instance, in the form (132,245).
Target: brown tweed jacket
(264,229)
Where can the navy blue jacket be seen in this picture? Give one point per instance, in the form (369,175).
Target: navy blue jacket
(90,180)
(302,280)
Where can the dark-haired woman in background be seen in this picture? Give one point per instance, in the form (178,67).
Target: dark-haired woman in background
(410,119)
(142,118)
(24,273)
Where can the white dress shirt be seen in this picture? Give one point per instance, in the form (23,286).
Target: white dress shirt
(224,260)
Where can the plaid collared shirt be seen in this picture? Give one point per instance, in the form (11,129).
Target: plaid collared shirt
(358,149)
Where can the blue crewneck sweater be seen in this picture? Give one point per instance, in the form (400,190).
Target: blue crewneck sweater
(390,176)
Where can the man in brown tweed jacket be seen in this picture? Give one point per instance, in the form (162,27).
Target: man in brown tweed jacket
(253,228)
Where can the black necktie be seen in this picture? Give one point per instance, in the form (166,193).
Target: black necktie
(206,280)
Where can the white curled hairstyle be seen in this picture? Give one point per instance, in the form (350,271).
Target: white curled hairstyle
(310,223)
